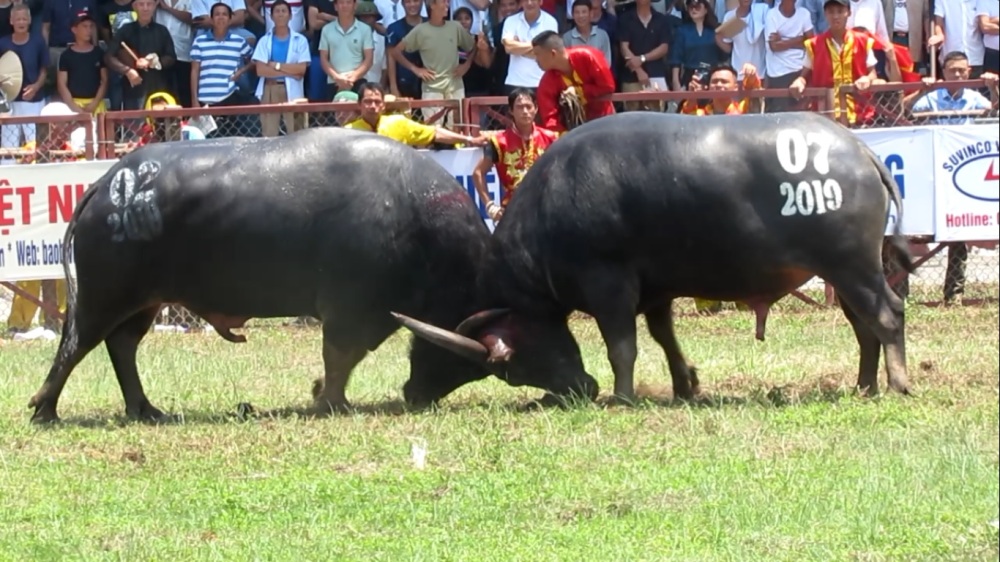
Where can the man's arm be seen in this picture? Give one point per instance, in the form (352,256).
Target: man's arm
(510,42)
(195,75)
(988,25)
(603,83)
(479,180)
(167,55)
(547,97)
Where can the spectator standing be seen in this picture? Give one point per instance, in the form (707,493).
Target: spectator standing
(956,68)
(33,53)
(83,79)
(201,16)
(493,54)
(518,30)
(393,11)
(695,45)
(747,46)
(318,14)
(281,58)
(5,8)
(839,57)
(478,10)
(513,151)
(585,33)
(786,29)
(297,23)
(906,21)
(402,81)
(217,59)
(987,12)
(869,14)
(724,78)
(57,17)
(956,30)
(114,14)
(400,127)
(815,9)
(367,13)
(474,74)
(345,50)
(143,37)
(438,41)
(581,69)
(645,36)
(175,15)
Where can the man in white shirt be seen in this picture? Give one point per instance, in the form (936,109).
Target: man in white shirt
(786,28)
(908,22)
(518,31)
(955,30)
(174,15)
(747,46)
(986,18)
(870,15)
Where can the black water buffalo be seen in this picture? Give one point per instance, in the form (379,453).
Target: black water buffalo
(627,213)
(332,223)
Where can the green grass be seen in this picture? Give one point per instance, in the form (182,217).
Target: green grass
(790,466)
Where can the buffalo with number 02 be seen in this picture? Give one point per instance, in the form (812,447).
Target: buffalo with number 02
(627,213)
(342,225)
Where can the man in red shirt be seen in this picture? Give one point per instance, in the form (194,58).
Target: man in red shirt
(583,70)
(512,151)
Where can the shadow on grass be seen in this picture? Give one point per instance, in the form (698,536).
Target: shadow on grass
(826,390)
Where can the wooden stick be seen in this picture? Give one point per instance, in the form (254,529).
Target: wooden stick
(130,51)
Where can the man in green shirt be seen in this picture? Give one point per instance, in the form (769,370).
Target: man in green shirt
(438,41)
(346,49)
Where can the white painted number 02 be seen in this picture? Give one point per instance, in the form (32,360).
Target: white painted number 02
(807,198)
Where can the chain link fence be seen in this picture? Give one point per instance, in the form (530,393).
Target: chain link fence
(892,105)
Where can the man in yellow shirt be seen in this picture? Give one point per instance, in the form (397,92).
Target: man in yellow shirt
(400,127)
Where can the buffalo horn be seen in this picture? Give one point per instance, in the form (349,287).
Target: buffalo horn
(474,322)
(464,346)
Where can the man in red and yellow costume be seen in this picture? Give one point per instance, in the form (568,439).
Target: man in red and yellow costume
(512,151)
(574,80)
(840,57)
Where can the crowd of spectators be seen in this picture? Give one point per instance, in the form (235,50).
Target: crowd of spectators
(99,55)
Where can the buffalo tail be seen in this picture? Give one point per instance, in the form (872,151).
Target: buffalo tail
(897,240)
(67,238)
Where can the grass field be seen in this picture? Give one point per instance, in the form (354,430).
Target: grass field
(784,464)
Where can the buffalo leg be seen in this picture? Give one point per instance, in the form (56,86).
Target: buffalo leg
(338,362)
(122,345)
(878,306)
(871,348)
(660,320)
(80,335)
(618,331)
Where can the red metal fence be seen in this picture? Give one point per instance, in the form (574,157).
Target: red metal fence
(109,135)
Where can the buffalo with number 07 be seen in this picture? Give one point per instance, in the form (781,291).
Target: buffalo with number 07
(627,213)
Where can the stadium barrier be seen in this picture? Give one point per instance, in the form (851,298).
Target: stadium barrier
(910,159)
(892,108)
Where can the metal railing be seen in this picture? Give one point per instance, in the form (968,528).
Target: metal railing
(967,272)
(892,105)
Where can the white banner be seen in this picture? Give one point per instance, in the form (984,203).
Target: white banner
(967,182)
(908,152)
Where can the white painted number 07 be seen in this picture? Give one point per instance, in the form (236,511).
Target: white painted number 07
(793,151)
(807,198)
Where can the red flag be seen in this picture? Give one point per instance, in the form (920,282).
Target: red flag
(903,58)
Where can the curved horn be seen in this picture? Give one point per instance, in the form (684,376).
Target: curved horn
(462,345)
(477,320)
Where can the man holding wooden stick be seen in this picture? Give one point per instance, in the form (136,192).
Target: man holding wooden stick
(143,52)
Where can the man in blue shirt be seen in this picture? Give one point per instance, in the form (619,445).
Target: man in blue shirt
(403,82)
(971,104)
(33,53)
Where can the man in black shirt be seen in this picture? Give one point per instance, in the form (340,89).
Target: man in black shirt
(83,80)
(142,37)
(645,36)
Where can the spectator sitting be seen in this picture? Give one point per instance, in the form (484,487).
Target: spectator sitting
(31,50)
(399,127)
(956,68)
(584,31)
(581,70)
(695,44)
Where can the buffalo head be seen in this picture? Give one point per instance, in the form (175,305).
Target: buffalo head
(522,351)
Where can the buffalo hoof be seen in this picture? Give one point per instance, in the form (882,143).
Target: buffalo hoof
(146,413)
(44,414)
(322,407)
(628,400)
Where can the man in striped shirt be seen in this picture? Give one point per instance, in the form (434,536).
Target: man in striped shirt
(217,61)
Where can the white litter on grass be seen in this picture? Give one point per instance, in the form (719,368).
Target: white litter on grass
(159,328)
(37,333)
(418,452)
(995,523)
